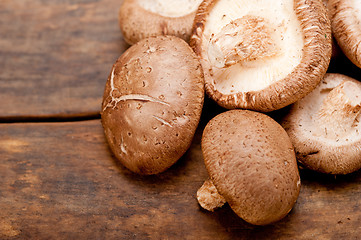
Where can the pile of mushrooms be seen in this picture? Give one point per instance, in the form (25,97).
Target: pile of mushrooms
(250,57)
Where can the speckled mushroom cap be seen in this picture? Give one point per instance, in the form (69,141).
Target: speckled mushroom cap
(345,16)
(152,103)
(139,19)
(250,160)
(261,55)
(324,126)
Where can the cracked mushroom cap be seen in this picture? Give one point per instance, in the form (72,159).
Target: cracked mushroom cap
(251,162)
(261,55)
(152,103)
(139,19)
(345,16)
(324,126)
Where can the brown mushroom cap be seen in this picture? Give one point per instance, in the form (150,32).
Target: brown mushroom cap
(324,126)
(250,160)
(139,19)
(345,16)
(295,41)
(152,103)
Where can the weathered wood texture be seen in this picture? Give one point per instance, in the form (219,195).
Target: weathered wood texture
(55,56)
(59,181)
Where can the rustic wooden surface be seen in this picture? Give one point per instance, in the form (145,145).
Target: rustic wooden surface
(55,56)
(60,181)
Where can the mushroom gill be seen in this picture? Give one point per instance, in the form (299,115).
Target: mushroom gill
(174,8)
(324,126)
(261,55)
(340,109)
(244,39)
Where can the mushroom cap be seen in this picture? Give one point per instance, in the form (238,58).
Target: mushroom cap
(152,103)
(314,148)
(250,160)
(345,19)
(302,35)
(139,19)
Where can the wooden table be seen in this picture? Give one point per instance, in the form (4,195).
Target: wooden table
(58,179)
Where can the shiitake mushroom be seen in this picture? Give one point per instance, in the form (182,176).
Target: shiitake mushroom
(261,55)
(152,103)
(251,162)
(140,19)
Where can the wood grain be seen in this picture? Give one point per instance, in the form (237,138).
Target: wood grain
(55,56)
(59,181)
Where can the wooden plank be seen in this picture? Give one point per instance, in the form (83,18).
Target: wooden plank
(55,56)
(59,181)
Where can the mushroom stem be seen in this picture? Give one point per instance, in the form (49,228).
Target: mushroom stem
(208,196)
(340,109)
(244,39)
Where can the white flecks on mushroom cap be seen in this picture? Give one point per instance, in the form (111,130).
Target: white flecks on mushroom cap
(245,154)
(170,8)
(152,103)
